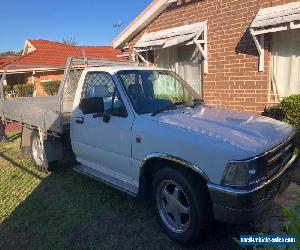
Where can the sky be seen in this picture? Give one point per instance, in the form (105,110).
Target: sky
(88,22)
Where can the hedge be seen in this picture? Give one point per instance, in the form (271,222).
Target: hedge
(288,111)
(50,88)
(291,109)
(24,90)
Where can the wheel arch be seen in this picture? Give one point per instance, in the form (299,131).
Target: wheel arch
(151,164)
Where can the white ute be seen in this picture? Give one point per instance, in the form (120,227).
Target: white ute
(147,132)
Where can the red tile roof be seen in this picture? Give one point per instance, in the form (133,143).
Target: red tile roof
(55,54)
(7,59)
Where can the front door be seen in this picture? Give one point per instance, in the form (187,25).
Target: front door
(103,141)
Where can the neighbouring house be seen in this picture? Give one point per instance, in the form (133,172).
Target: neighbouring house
(238,54)
(4,60)
(44,61)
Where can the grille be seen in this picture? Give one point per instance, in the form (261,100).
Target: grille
(279,156)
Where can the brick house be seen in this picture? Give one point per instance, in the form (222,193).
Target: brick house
(44,60)
(238,54)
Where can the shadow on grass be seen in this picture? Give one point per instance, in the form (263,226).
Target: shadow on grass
(18,165)
(71,211)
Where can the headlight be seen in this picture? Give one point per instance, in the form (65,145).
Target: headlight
(241,174)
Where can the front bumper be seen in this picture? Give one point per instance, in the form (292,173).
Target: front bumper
(241,205)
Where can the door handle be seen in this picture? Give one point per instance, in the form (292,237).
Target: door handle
(79,120)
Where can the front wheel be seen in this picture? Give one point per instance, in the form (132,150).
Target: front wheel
(182,205)
(37,153)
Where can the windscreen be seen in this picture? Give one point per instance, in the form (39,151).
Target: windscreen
(152,90)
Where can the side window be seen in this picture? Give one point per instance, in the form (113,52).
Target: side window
(135,86)
(101,84)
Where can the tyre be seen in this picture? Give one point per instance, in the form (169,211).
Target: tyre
(37,153)
(182,205)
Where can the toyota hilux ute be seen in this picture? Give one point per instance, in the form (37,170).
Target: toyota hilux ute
(146,132)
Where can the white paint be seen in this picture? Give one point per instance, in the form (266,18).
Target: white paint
(251,133)
(101,145)
(269,30)
(277,18)
(28,47)
(271,20)
(205,49)
(271,16)
(170,37)
(207,137)
(182,35)
(259,43)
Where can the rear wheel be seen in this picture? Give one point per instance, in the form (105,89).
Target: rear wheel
(37,152)
(181,204)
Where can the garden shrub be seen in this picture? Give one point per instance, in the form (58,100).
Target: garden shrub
(293,227)
(6,89)
(288,111)
(291,108)
(50,88)
(274,112)
(24,90)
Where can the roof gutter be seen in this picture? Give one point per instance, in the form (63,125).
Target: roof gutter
(31,69)
(146,17)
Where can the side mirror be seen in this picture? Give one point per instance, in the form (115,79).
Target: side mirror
(93,105)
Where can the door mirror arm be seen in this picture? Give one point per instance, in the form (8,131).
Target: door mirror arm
(106,116)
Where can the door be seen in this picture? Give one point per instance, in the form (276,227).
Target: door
(103,141)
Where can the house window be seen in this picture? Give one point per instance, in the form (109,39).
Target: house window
(285,73)
(185,61)
(13,79)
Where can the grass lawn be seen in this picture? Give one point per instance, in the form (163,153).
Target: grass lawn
(67,210)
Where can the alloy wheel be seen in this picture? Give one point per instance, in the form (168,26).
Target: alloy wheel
(173,206)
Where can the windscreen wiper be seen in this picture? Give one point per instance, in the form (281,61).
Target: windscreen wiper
(168,107)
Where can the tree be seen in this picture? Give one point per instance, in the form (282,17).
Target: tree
(11,53)
(69,41)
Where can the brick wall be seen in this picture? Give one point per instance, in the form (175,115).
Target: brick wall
(233,80)
(38,77)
